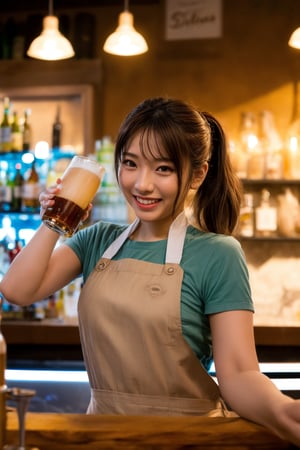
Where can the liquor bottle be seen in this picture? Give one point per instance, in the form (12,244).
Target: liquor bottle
(26,131)
(2,185)
(5,129)
(16,134)
(7,192)
(56,130)
(17,194)
(246,145)
(250,144)
(31,190)
(265,216)
(246,219)
(272,145)
(12,253)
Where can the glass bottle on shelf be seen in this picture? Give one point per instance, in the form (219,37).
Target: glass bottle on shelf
(56,130)
(7,198)
(292,151)
(5,129)
(13,252)
(31,190)
(265,216)
(26,131)
(17,187)
(16,134)
(255,155)
(272,146)
(246,219)
(2,184)
(249,158)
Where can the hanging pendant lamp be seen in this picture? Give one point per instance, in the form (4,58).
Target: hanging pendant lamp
(50,45)
(294,40)
(125,41)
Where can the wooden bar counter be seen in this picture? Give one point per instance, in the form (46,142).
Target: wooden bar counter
(90,432)
(52,339)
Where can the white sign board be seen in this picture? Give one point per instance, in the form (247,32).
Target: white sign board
(193,19)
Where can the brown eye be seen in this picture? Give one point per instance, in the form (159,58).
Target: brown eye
(165,169)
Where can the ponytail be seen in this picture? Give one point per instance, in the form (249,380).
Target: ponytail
(217,201)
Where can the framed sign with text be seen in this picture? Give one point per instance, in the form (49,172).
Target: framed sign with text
(193,19)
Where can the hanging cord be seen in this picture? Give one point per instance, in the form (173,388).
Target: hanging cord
(50,7)
(126,5)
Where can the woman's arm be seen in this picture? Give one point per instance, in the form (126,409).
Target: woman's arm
(244,388)
(40,269)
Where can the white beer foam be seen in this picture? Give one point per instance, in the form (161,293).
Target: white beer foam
(88,164)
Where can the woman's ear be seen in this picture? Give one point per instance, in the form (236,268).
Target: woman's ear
(199,176)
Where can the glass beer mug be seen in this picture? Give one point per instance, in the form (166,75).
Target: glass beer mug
(80,182)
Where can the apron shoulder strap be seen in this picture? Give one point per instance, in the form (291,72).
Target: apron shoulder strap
(117,244)
(175,241)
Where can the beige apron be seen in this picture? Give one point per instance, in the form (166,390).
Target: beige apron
(137,359)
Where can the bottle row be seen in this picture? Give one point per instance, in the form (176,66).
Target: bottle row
(16,131)
(22,177)
(60,306)
(19,193)
(259,152)
(264,215)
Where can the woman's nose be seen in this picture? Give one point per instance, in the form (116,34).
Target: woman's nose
(144,181)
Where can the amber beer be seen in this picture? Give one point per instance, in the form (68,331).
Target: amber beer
(80,183)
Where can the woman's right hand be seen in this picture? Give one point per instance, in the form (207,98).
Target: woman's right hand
(46,197)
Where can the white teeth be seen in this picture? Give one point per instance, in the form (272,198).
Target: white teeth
(145,201)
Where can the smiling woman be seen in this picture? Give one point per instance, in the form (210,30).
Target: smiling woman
(163,295)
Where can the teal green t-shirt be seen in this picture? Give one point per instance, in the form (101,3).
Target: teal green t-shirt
(215,274)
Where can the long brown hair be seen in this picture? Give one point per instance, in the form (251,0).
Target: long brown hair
(188,138)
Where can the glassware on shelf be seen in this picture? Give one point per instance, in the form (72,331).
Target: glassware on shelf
(248,162)
(288,214)
(292,153)
(246,219)
(271,146)
(265,216)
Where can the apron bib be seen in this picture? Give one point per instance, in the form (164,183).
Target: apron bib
(137,359)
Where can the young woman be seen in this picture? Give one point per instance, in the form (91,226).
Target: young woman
(162,297)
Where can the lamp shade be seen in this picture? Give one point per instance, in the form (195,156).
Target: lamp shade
(50,44)
(125,41)
(294,40)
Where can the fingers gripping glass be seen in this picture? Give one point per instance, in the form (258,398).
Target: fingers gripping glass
(80,182)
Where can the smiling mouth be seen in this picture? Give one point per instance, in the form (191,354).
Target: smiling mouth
(146,201)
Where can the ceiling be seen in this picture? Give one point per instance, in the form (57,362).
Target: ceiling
(34,5)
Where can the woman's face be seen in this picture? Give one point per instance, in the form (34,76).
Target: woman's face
(149,183)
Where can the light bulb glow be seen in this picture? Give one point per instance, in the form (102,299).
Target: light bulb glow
(125,41)
(50,44)
(41,150)
(252,141)
(293,144)
(294,40)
